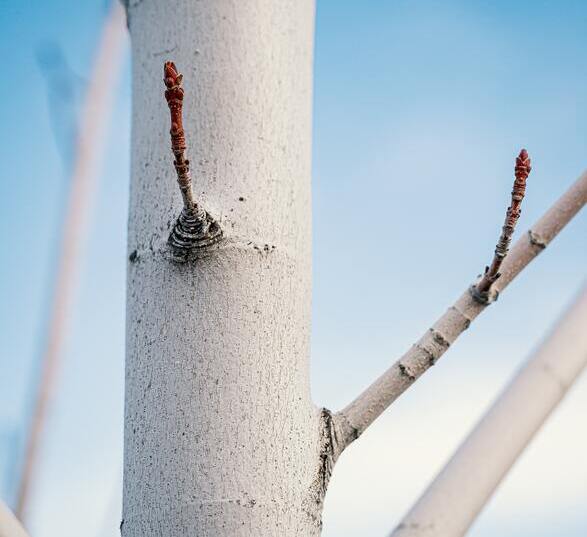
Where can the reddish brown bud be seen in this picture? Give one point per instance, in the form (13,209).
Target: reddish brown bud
(523,165)
(521,171)
(171,74)
(194,228)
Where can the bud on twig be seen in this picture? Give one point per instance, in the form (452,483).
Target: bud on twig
(522,170)
(194,227)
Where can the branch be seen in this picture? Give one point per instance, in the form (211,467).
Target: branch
(194,228)
(9,524)
(359,414)
(89,154)
(457,495)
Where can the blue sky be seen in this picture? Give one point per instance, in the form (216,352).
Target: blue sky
(419,111)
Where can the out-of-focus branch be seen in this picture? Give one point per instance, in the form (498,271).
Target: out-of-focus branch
(358,415)
(90,144)
(454,499)
(9,524)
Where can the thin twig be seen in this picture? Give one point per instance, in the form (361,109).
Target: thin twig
(359,414)
(194,228)
(522,170)
(469,479)
(174,97)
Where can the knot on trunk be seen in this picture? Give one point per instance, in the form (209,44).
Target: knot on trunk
(334,435)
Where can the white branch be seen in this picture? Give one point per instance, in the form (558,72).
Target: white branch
(9,525)
(359,414)
(451,503)
(89,150)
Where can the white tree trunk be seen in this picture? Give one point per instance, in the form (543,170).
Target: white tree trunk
(221,437)
(360,413)
(452,502)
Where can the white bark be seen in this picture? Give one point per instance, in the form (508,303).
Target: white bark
(9,525)
(221,437)
(361,412)
(452,502)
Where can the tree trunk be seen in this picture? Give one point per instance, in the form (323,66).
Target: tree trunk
(221,436)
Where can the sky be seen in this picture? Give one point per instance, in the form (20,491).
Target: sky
(420,108)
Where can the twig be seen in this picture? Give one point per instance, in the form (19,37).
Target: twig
(194,227)
(359,414)
(522,170)
(469,479)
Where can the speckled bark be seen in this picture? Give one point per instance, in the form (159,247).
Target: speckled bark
(221,437)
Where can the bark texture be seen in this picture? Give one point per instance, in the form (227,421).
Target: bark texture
(221,437)
(452,502)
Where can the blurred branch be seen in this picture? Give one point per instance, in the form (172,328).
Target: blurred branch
(89,151)
(454,499)
(64,88)
(350,422)
(9,455)
(9,525)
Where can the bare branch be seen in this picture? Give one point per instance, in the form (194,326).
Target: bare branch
(522,170)
(9,524)
(194,228)
(454,499)
(359,414)
(89,151)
